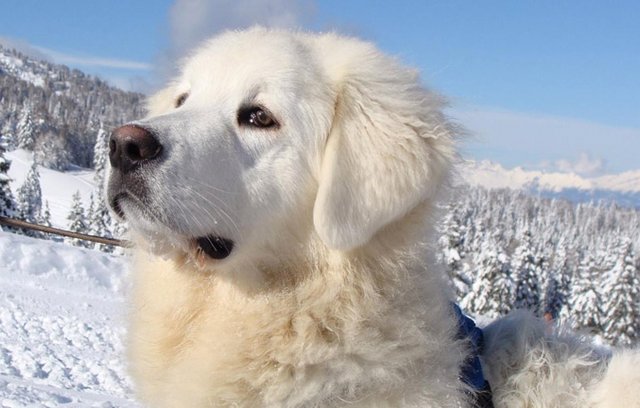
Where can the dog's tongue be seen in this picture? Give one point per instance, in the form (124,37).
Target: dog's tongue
(215,247)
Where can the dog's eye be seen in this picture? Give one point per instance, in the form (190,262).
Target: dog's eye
(256,116)
(181,99)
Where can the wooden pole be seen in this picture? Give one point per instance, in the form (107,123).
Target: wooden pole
(56,231)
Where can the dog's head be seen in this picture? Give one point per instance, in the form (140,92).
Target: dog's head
(271,135)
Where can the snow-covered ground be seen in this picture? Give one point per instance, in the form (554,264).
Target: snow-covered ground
(57,187)
(62,309)
(62,315)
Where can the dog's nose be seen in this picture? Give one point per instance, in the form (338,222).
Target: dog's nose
(130,145)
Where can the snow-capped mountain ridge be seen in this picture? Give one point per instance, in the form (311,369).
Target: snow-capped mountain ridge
(26,69)
(57,111)
(623,188)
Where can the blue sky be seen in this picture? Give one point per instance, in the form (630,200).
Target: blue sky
(545,84)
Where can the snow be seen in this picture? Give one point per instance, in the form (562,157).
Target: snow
(15,65)
(57,187)
(62,316)
(62,309)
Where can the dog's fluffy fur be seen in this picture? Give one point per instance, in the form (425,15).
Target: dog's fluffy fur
(329,297)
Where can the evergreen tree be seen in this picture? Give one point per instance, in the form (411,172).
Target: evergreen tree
(7,130)
(45,219)
(585,299)
(30,196)
(99,220)
(559,305)
(622,304)
(100,157)
(452,253)
(26,130)
(101,223)
(527,270)
(7,203)
(77,221)
(552,301)
(558,288)
(50,151)
(492,292)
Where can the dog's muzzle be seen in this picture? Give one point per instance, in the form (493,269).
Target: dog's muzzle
(130,148)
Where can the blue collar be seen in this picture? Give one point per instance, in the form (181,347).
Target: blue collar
(471,371)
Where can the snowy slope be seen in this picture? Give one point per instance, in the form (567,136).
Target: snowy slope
(30,70)
(623,188)
(61,326)
(57,187)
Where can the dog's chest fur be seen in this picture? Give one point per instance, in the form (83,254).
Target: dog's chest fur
(341,338)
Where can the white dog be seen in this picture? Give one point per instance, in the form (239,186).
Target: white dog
(282,192)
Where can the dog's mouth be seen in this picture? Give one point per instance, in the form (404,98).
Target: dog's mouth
(115,205)
(214,247)
(211,246)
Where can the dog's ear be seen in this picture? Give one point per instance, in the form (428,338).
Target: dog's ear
(389,148)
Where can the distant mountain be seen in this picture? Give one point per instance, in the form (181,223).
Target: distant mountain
(623,188)
(56,111)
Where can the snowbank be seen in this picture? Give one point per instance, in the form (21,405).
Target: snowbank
(61,326)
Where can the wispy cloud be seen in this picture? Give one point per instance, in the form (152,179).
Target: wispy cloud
(79,60)
(93,61)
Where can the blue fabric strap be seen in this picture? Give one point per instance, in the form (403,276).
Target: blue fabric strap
(471,371)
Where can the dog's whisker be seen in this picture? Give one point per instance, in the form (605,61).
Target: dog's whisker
(224,216)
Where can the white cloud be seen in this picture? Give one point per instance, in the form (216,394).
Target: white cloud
(527,139)
(585,165)
(57,57)
(192,21)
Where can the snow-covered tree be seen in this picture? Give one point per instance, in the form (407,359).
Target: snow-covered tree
(451,244)
(622,303)
(492,293)
(526,267)
(50,151)
(585,299)
(100,157)
(7,132)
(26,130)
(7,203)
(77,221)
(45,218)
(100,221)
(562,235)
(29,200)
(558,287)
